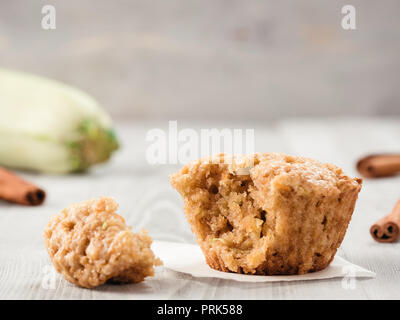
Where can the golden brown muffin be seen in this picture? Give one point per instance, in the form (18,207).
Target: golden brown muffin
(267,213)
(89,244)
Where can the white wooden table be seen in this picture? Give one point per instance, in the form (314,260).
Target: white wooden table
(147,201)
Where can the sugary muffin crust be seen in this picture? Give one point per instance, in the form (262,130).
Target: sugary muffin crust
(267,213)
(89,244)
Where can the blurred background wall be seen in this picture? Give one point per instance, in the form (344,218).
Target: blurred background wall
(172,59)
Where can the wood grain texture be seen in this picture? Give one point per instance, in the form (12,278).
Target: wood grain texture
(147,201)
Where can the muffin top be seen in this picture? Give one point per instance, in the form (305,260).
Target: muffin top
(301,173)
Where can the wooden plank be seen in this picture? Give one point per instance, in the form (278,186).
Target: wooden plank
(147,201)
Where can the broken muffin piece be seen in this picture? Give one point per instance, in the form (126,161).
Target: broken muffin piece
(267,213)
(89,244)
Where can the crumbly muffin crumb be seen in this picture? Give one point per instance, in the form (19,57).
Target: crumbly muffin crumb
(90,244)
(267,213)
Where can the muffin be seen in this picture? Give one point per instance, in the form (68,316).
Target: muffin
(89,245)
(267,214)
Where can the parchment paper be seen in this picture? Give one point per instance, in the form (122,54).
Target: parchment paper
(188,258)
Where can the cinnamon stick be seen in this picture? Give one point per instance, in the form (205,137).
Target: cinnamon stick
(387,229)
(379,165)
(16,190)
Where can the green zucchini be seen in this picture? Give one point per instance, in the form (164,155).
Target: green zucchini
(48,126)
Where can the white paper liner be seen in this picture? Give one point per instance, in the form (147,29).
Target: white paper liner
(188,258)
